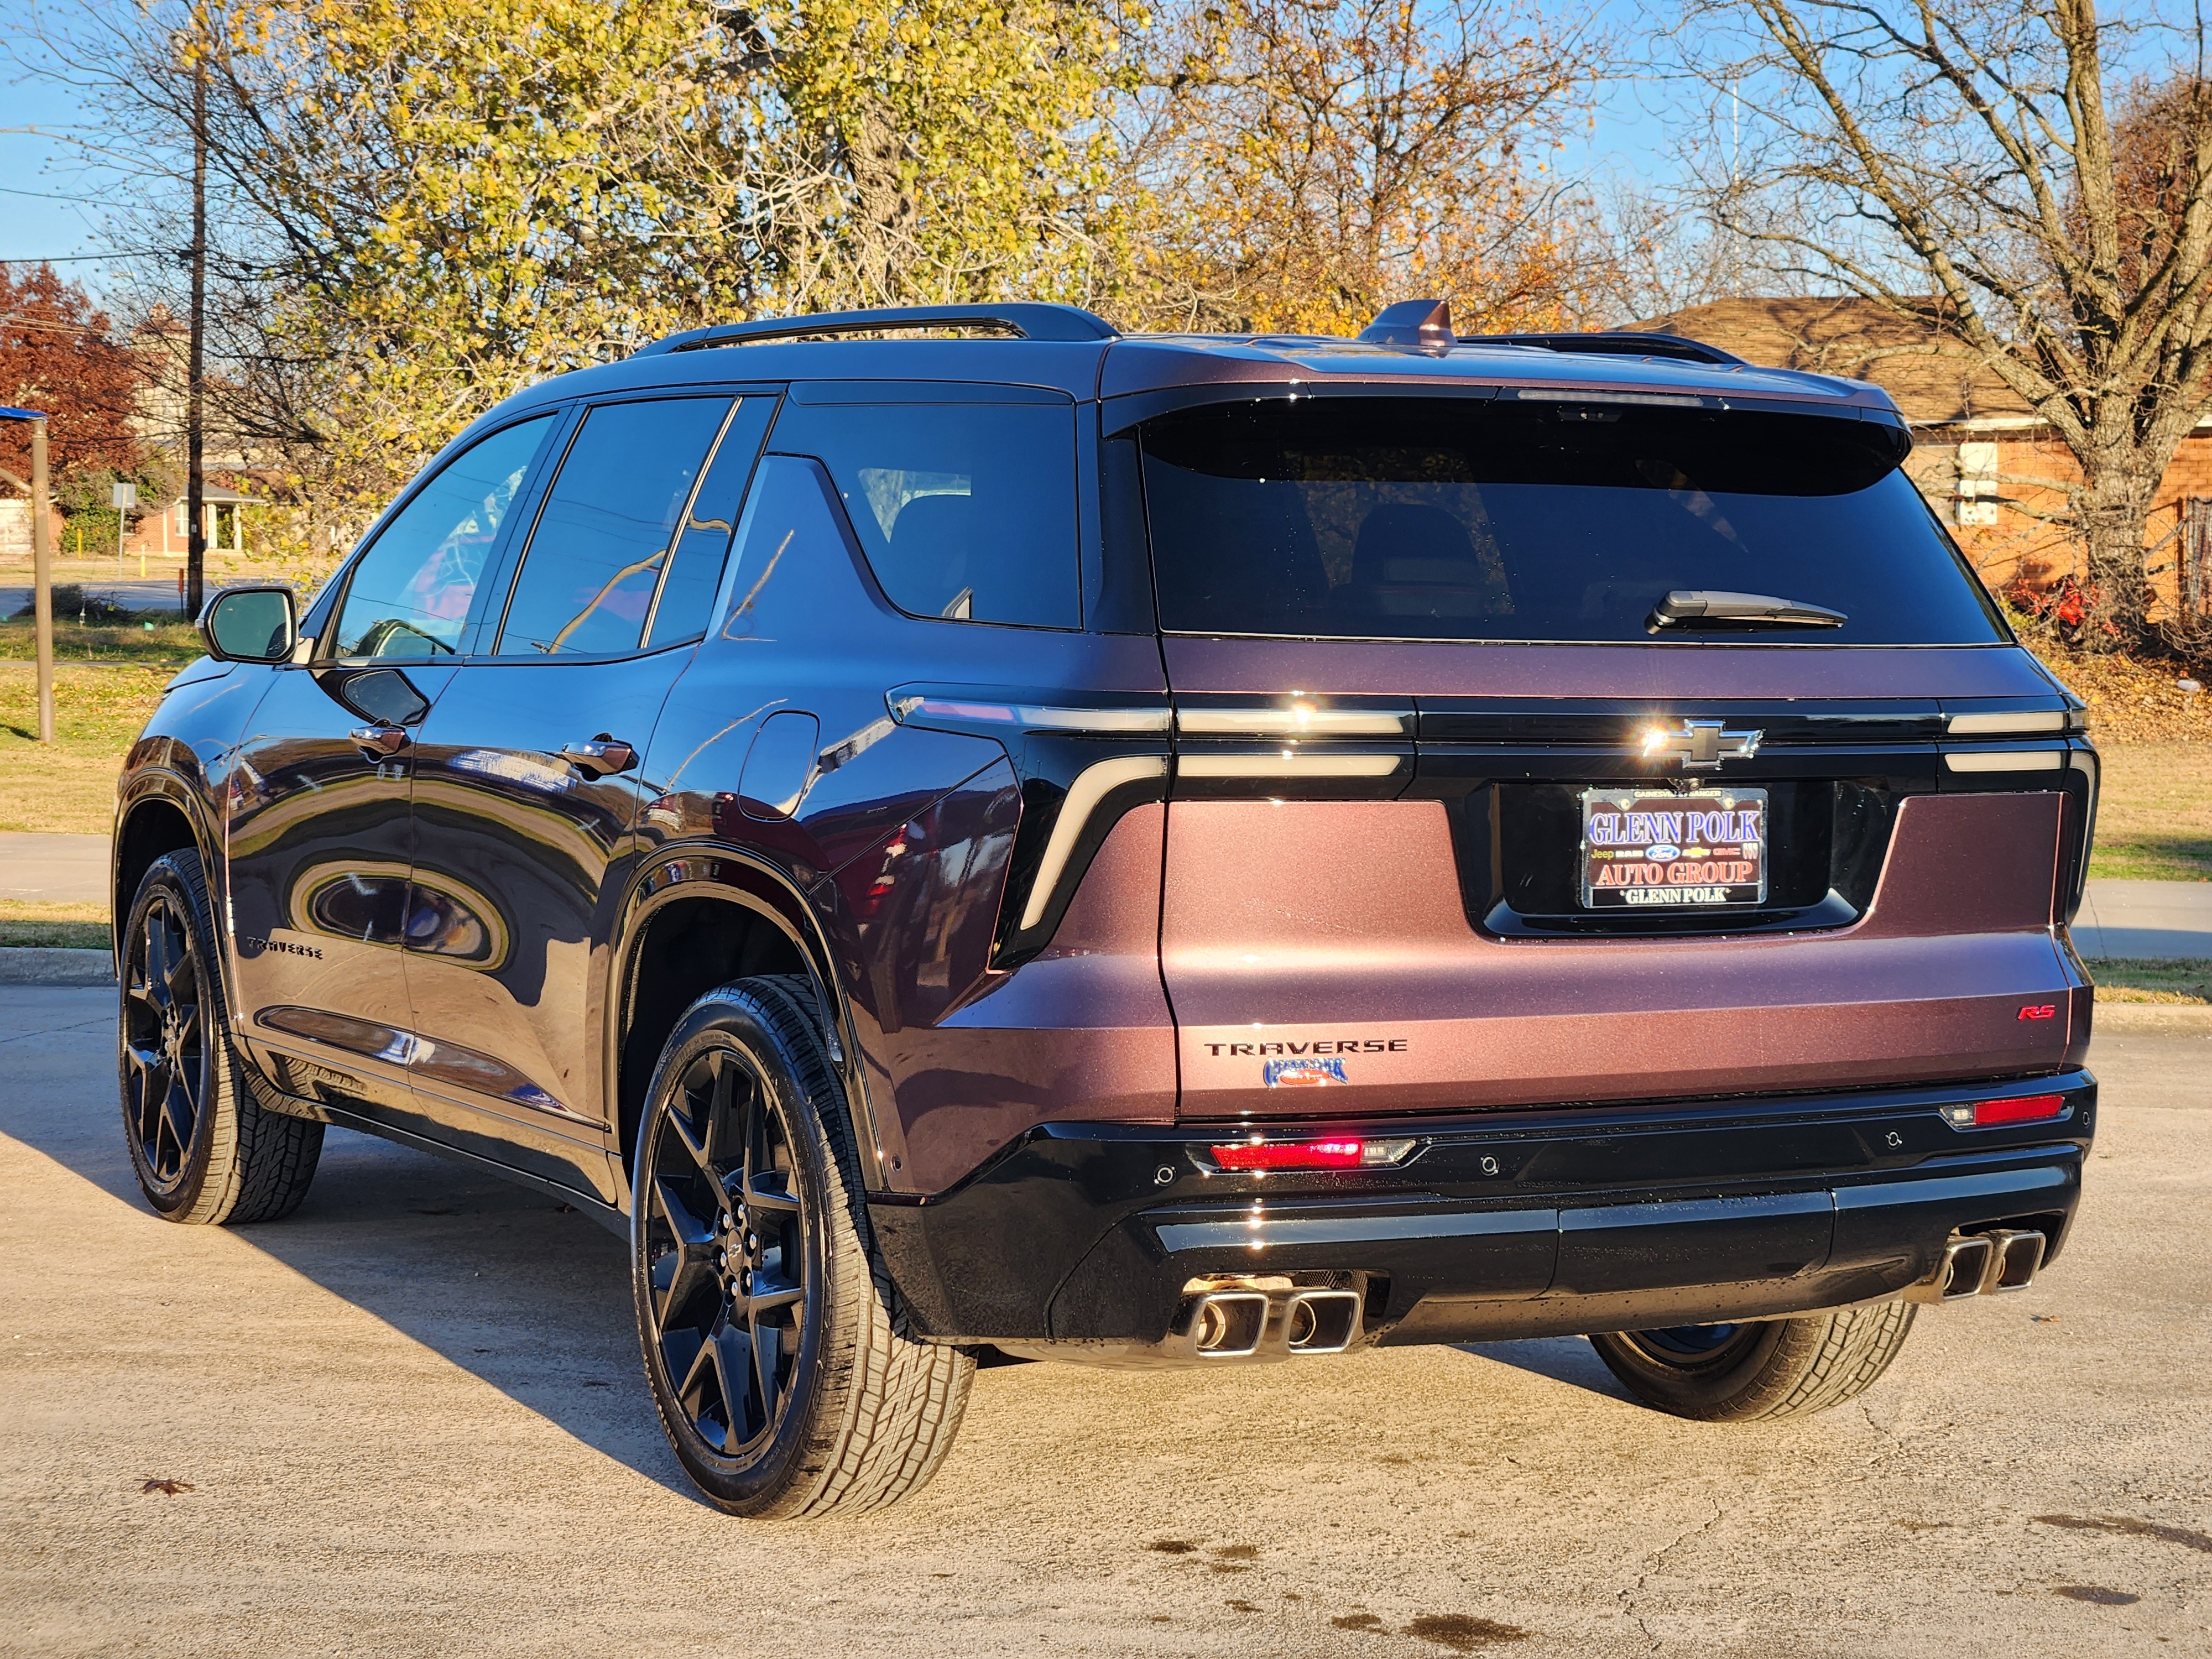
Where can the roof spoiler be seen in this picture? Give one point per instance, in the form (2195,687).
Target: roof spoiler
(1426,325)
(1613,343)
(1022,321)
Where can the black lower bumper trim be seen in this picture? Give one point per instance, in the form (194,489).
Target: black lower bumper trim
(1500,1224)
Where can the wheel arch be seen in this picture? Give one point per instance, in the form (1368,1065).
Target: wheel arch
(697,918)
(158,816)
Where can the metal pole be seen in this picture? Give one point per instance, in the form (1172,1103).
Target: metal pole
(42,579)
(195,369)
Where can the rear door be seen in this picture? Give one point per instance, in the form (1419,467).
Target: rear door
(526,795)
(1455,823)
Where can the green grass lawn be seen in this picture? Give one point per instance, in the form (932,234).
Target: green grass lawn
(2128,980)
(160,642)
(72,926)
(2155,816)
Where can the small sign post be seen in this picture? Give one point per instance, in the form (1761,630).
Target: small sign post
(125,496)
(42,589)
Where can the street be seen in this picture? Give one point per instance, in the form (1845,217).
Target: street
(411,1420)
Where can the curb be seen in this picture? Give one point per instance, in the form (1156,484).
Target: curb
(2176,1019)
(45,965)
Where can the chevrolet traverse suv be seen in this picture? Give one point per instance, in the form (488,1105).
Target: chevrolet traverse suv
(963,829)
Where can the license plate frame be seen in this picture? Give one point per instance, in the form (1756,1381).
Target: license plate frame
(1639,852)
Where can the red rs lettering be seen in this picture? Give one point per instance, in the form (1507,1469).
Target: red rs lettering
(2040,1011)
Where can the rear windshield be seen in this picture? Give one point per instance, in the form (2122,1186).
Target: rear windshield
(1426,518)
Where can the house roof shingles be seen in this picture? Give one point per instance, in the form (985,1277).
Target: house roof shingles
(1934,382)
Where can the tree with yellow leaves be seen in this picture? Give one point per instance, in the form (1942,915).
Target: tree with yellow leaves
(1310,161)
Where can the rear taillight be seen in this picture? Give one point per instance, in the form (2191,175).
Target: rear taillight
(1332,1154)
(2019,1108)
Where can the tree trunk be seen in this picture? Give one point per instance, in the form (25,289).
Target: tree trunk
(2111,509)
(886,207)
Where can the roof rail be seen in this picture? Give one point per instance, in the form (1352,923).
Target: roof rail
(1026,321)
(1613,343)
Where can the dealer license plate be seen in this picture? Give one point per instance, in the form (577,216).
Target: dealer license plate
(1642,849)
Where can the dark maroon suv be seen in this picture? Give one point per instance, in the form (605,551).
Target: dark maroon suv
(965,831)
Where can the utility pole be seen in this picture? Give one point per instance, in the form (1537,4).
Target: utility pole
(196,357)
(42,578)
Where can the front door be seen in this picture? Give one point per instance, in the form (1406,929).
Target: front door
(526,792)
(317,833)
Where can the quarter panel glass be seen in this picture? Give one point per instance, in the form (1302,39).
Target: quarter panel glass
(966,511)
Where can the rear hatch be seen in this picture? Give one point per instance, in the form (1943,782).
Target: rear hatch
(1468,812)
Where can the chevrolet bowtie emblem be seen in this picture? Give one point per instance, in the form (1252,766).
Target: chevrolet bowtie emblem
(1700,745)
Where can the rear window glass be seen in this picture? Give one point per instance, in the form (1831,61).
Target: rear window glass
(1423,519)
(966,511)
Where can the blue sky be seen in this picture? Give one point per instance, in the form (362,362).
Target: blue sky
(1626,142)
(33,167)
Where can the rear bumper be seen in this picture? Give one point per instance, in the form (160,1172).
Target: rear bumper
(1500,1225)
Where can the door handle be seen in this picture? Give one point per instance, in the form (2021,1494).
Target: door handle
(379,742)
(600,757)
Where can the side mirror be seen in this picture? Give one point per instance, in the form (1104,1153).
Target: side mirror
(249,624)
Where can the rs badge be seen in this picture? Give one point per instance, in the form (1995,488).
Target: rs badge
(2040,1011)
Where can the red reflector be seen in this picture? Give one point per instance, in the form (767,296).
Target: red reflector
(2024,1109)
(1289,1155)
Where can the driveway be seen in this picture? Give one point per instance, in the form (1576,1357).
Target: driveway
(409,1421)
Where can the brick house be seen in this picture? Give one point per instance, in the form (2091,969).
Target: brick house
(1990,467)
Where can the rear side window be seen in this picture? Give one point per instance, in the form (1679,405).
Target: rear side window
(1424,518)
(695,568)
(410,595)
(965,511)
(594,561)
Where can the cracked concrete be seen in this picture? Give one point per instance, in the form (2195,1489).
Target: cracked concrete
(409,1421)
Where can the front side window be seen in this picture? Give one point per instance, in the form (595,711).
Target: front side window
(965,511)
(410,594)
(1429,519)
(594,559)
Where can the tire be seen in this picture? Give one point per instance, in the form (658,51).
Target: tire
(203,1148)
(780,1360)
(1743,1373)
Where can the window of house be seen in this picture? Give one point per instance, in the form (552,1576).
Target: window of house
(595,558)
(410,594)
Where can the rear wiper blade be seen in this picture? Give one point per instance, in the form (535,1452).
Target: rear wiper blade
(1701,607)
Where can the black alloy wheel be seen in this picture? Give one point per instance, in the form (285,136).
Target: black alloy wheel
(204,1146)
(781,1358)
(166,1073)
(735,1285)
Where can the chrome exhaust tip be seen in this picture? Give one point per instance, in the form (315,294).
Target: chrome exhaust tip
(2014,1259)
(1321,1322)
(1229,1324)
(1961,1270)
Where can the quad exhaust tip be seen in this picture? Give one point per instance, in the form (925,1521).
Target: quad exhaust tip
(1235,1324)
(1982,1264)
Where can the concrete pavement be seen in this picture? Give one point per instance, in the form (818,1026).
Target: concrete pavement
(2145,919)
(153,592)
(53,869)
(409,1421)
